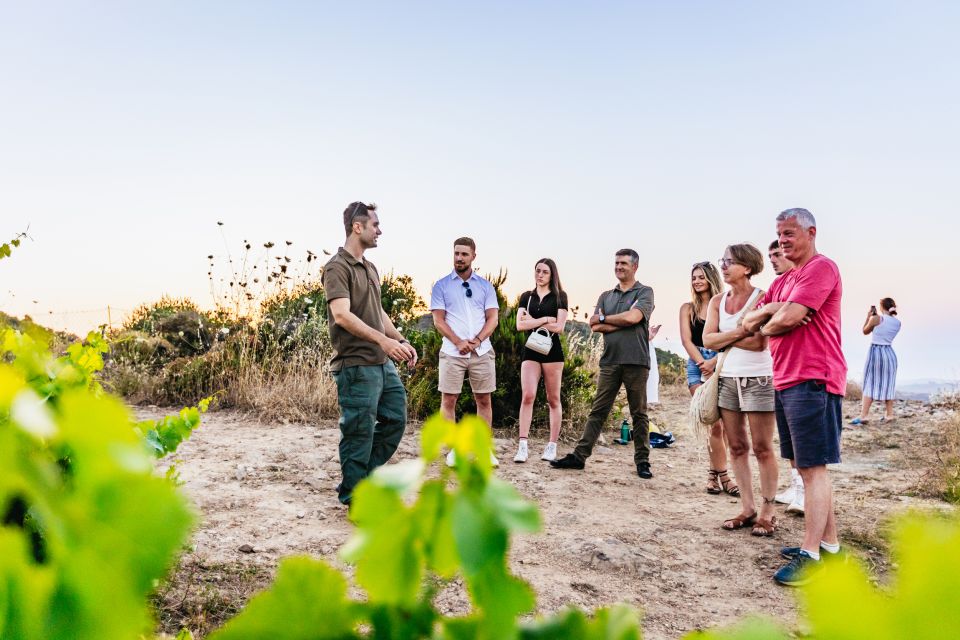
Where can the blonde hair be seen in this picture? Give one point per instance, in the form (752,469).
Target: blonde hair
(713,279)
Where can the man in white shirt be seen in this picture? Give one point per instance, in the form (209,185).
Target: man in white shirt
(465,312)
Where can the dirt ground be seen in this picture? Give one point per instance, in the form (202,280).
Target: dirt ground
(608,536)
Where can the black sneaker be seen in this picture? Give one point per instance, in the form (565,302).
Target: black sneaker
(643,470)
(568,461)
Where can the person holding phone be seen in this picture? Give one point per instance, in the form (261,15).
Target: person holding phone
(880,372)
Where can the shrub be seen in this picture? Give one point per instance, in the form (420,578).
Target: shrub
(854,391)
(576,391)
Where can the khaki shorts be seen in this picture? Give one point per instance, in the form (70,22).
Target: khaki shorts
(755,394)
(481,369)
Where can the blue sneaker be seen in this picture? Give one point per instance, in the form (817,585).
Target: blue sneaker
(790,552)
(798,571)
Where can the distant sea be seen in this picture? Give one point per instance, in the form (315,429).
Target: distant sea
(924,389)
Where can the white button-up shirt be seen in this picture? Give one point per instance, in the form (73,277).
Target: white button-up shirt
(465,315)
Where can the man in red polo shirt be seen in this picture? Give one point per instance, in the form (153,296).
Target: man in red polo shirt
(801,315)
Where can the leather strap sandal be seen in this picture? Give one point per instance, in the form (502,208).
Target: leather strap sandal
(729,486)
(739,522)
(713,482)
(764,528)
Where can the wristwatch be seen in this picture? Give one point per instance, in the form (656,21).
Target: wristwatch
(603,318)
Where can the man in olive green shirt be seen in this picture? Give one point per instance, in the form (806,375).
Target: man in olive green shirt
(622,316)
(373,402)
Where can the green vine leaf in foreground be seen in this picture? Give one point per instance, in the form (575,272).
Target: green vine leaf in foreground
(82,544)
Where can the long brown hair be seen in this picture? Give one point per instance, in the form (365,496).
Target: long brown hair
(555,287)
(713,279)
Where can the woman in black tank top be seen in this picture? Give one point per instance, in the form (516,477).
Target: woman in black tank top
(704,284)
(545,307)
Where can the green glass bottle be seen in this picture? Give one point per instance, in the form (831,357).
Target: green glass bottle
(625,434)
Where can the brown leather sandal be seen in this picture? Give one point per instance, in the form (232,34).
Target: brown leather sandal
(729,486)
(713,482)
(739,522)
(764,528)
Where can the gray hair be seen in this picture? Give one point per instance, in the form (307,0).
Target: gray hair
(633,255)
(804,218)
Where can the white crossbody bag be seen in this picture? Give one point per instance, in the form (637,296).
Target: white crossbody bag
(540,340)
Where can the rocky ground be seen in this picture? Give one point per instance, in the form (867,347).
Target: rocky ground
(265,491)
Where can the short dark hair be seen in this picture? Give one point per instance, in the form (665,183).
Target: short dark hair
(634,256)
(889,306)
(747,255)
(356,212)
(774,245)
(466,242)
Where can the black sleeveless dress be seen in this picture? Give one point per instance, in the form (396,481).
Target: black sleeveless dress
(549,307)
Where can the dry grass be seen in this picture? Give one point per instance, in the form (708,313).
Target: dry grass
(286,392)
(854,391)
(201,596)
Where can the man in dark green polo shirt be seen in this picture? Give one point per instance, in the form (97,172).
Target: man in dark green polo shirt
(373,402)
(623,317)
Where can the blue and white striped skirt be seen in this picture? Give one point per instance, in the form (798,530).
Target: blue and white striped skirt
(880,374)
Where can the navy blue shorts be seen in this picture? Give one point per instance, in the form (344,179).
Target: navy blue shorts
(809,420)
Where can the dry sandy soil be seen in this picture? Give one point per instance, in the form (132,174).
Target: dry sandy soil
(608,536)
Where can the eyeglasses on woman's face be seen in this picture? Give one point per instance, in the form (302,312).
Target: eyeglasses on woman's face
(723,263)
(467,289)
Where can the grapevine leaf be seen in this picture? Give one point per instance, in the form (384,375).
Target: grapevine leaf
(306,602)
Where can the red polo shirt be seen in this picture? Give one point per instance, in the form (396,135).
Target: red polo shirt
(811,351)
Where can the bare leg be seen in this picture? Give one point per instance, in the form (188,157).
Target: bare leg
(735,426)
(761,433)
(484,407)
(552,374)
(819,520)
(717,444)
(448,406)
(865,411)
(529,380)
(888,414)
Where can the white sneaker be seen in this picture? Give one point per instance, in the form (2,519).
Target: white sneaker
(493,461)
(452,458)
(521,452)
(797,505)
(550,453)
(787,496)
(790,492)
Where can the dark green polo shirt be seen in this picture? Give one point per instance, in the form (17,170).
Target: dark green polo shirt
(628,345)
(346,277)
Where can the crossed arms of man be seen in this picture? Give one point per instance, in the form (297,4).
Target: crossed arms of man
(776,318)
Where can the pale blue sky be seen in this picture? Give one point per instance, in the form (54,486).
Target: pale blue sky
(127,129)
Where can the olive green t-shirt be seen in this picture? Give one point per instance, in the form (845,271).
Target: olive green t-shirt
(346,277)
(628,345)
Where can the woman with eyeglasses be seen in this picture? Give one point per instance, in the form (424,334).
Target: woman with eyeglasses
(704,285)
(746,395)
(542,308)
(880,372)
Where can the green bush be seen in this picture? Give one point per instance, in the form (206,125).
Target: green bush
(576,392)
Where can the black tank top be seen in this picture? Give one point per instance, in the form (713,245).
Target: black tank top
(696,329)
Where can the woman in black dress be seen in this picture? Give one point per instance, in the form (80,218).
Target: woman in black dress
(545,307)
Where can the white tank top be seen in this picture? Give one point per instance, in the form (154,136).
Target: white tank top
(886,331)
(742,363)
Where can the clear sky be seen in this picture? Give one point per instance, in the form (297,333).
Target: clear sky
(128,129)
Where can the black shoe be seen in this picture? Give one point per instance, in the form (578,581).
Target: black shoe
(643,470)
(568,461)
